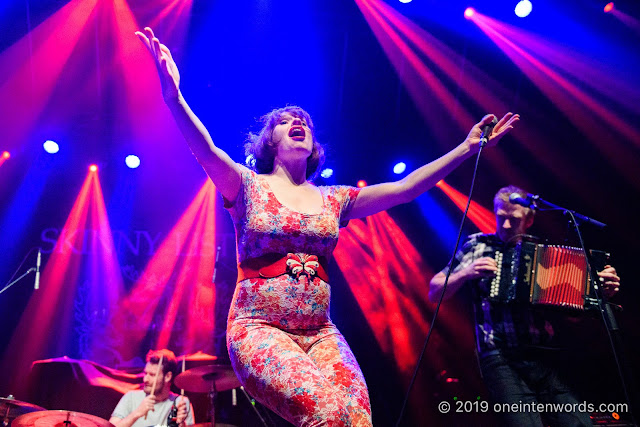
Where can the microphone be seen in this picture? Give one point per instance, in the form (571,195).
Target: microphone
(215,264)
(486,131)
(36,284)
(528,202)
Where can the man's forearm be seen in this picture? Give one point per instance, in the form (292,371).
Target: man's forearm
(456,280)
(126,421)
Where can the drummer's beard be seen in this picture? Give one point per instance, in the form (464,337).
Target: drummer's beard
(148,387)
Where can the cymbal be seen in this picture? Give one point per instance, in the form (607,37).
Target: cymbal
(11,408)
(198,356)
(196,359)
(203,378)
(59,419)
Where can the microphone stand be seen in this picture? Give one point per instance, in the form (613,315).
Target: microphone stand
(551,206)
(608,318)
(32,269)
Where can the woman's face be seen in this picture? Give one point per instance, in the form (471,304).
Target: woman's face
(292,137)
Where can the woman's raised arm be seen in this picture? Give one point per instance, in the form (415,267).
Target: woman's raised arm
(379,197)
(223,171)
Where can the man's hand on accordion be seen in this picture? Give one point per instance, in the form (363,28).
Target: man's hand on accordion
(610,281)
(481,267)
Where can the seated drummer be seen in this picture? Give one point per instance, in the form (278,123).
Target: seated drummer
(146,407)
(508,335)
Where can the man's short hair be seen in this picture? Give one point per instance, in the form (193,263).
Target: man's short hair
(502,196)
(169,362)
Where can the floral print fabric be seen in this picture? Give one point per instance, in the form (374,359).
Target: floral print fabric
(263,225)
(283,346)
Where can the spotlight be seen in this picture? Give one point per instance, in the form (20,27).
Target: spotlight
(51,147)
(399,168)
(362,183)
(405,1)
(326,173)
(523,8)
(132,161)
(609,7)
(469,12)
(93,168)
(5,155)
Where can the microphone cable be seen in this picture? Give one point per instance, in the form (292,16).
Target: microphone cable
(444,288)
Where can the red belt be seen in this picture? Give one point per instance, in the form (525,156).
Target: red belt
(274,265)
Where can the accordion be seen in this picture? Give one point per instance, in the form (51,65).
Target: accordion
(545,274)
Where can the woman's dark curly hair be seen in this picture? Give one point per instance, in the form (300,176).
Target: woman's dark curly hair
(261,150)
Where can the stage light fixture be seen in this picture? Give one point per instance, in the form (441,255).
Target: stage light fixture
(326,173)
(93,168)
(469,12)
(132,161)
(399,168)
(405,1)
(523,8)
(362,183)
(3,158)
(51,147)
(609,7)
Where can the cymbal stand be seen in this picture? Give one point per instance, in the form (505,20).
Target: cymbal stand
(213,393)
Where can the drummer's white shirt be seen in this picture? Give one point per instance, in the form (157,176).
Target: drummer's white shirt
(156,418)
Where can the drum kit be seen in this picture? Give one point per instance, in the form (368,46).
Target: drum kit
(209,379)
(59,419)
(17,413)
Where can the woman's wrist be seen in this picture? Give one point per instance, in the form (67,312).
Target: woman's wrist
(173,99)
(465,149)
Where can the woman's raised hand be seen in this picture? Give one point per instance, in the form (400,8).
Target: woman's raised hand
(504,125)
(167,68)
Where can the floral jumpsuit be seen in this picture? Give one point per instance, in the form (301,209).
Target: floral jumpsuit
(283,346)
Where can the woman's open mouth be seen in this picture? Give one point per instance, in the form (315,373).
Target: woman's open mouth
(297,133)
